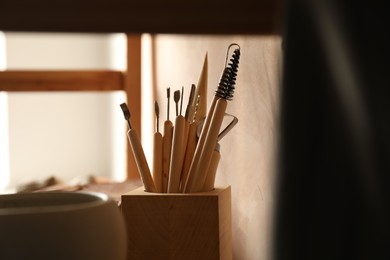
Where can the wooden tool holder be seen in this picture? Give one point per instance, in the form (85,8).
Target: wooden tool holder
(178,226)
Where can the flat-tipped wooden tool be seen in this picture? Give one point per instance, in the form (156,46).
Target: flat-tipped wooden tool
(138,152)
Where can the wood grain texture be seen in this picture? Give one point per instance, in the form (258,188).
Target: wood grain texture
(170,16)
(178,226)
(61,80)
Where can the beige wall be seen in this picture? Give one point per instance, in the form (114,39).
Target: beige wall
(248,152)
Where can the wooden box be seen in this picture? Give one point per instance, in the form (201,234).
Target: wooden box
(178,226)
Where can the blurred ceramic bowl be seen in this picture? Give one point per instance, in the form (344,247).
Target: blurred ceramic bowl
(61,225)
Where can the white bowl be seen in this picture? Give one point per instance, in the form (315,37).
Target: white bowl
(61,225)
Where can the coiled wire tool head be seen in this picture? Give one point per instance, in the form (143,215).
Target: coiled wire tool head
(227,83)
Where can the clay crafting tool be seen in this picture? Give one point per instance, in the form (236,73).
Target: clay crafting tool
(167,146)
(216,155)
(212,170)
(178,150)
(157,153)
(191,136)
(200,102)
(176,98)
(210,131)
(139,155)
(201,91)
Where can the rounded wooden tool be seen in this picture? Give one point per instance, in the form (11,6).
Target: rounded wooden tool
(209,145)
(167,146)
(157,161)
(199,147)
(177,155)
(189,154)
(212,171)
(141,162)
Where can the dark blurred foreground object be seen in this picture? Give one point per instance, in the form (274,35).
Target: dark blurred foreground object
(334,158)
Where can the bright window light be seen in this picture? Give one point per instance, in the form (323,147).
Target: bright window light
(4,147)
(118,51)
(98,115)
(147,97)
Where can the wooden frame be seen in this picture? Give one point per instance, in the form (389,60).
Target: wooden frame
(88,80)
(151,16)
(15,80)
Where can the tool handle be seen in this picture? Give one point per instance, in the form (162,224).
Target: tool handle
(141,162)
(190,151)
(199,147)
(167,146)
(209,145)
(212,171)
(177,155)
(157,161)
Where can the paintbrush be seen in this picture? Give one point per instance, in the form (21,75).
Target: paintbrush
(139,155)
(157,153)
(167,146)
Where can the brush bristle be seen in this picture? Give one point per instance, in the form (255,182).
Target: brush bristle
(227,83)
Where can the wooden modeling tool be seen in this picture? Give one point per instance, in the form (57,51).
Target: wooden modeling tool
(212,171)
(140,159)
(211,128)
(200,102)
(209,145)
(201,91)
(167,146)
(178,150)
(216,156)
(191,137)
(157,153)
(198,150)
